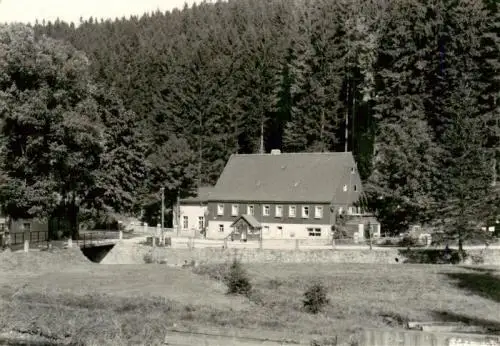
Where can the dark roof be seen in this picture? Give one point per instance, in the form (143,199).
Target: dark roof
(202,194)
(288,177)
(250,219)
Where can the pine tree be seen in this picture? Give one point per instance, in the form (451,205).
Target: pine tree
(403,178)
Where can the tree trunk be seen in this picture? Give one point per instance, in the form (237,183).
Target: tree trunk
(73,215)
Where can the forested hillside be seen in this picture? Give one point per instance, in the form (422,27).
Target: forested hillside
(416,84)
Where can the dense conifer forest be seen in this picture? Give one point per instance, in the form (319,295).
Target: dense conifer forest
(415,85)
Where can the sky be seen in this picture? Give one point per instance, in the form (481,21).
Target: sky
(27,11)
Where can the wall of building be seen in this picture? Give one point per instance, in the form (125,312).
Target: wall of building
(273,231)
(192,213)
(272,218)
(17,226)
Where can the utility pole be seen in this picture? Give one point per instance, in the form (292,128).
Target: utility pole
(162,216)
(178,216)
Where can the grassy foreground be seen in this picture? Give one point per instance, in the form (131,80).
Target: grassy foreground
(65,298)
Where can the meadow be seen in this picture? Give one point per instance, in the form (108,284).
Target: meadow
(60,296)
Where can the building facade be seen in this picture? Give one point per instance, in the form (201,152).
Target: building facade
(289,195)
(191,217)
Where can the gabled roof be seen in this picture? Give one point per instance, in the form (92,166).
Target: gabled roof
(288,177)
(250,220)
(202,195)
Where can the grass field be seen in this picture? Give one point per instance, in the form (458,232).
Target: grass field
(63,297)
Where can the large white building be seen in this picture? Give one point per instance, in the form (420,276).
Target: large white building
(286,196)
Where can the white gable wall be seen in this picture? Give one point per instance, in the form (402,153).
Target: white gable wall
(191,213)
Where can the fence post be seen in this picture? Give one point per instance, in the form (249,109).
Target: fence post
(120,235)
(26,245)
(70,242)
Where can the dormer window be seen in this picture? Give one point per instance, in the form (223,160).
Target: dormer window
(353,170)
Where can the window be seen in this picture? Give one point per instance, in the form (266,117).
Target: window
(250,210)
(27,227)
(266,210)
(279,211)
(266,230)
(355,188)
(235,209)
(221,228)
(305,212)
(220,209)
(292,211)
(314,232)
(185,223)
(345,188)
(201,222)
(352,170)
(318,212)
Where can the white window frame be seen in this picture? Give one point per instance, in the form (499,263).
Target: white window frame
(294,208)
(250,209)
(235,209)
(264,208)
(201,222)
(280,213)
(345,188)
(185,222)
(304,214)
(340,211)
(221,228)
(318,212)
(355,187)
(220,209)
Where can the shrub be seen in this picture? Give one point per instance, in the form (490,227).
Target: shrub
(408,241)
(327,341)
(433,256)
(148,258)
(315,298)
(237,280)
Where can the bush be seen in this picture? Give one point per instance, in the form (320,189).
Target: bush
(408,241)
(327,341)
(315,298)
(237,280)
(148,258)
(433,256)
